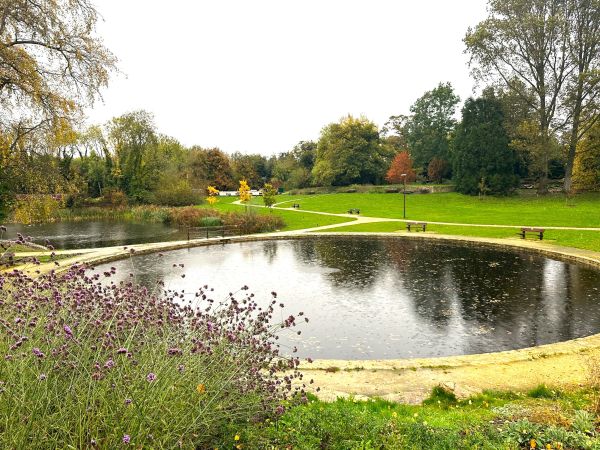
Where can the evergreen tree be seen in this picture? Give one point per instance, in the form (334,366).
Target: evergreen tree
(482,159)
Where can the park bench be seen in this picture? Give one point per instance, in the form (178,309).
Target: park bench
(296,206)
(354,211)
(417,225)
(538,231)
(206,232)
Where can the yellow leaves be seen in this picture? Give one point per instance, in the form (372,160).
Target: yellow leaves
(244,192)
(212,195)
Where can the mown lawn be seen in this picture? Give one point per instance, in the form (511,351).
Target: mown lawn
(589,240)
(552,210)
(294,220)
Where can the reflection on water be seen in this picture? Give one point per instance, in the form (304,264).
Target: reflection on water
(93,234)
(372,298)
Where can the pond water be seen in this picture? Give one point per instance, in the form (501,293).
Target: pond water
(93,234)
(373,298)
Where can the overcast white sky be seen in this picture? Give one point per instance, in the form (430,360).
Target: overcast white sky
(257,76)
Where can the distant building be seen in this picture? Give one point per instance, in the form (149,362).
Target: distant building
(253,192)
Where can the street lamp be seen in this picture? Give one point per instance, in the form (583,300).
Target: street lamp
(404,192)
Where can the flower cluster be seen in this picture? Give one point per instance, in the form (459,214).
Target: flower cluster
(131,365)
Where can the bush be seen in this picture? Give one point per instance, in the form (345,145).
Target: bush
(114,197)
(37,208)
(178,193)
(99,365)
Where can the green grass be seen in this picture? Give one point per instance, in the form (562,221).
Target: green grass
(294,220)
(551,210)
(491,420)
(588,240)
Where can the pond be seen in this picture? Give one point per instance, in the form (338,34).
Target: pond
(371,298)
(94,234)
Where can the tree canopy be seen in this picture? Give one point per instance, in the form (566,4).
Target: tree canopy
(350,151)
(430,124)
(482,157)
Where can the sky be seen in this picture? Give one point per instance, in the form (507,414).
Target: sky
(258,76)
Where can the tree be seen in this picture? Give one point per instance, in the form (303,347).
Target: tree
(583,86)
(350,151)
(268,194)
(215,167)
(244,192)
(483,161)
(522,44)
(438,169)
(51,64)
(401,165)
(430,124)
(133,140)
(586,170)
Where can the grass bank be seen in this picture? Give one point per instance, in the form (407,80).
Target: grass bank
(542,418)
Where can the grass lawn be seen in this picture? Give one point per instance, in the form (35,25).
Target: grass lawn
(552,210)
(294,220)
(542,418)
(589,240)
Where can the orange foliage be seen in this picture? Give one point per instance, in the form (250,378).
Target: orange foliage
(401,164)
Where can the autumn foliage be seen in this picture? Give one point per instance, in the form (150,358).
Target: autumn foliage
(402,164)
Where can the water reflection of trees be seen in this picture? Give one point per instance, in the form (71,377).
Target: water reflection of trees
(358,261)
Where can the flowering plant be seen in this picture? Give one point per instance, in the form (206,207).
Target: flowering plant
(91,363)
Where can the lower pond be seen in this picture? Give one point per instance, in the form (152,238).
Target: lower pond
(373,298)
(93,234)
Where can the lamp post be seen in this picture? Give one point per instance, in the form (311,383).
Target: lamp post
(404,193)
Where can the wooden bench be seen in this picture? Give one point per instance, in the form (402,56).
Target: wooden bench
(296,206)
(206,232)
(538,231)
(417,225)
(354,211)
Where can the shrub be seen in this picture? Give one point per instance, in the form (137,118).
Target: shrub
(114,197)
(98,365)
(37,208)
(177,193)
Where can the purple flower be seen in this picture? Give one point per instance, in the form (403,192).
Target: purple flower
(126,439)
(151,377)
(279,410)
(68,331)
(37,352)
(128,401)
(109,364)
(121,350)
(181,368)
(42,376)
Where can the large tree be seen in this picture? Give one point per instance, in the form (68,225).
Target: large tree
(430,124)
(583,88)
(482,158)
(350,151)
(133,141)
(545,51)
(51,63)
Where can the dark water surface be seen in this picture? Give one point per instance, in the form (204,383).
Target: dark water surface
(93,234)
(371,298)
